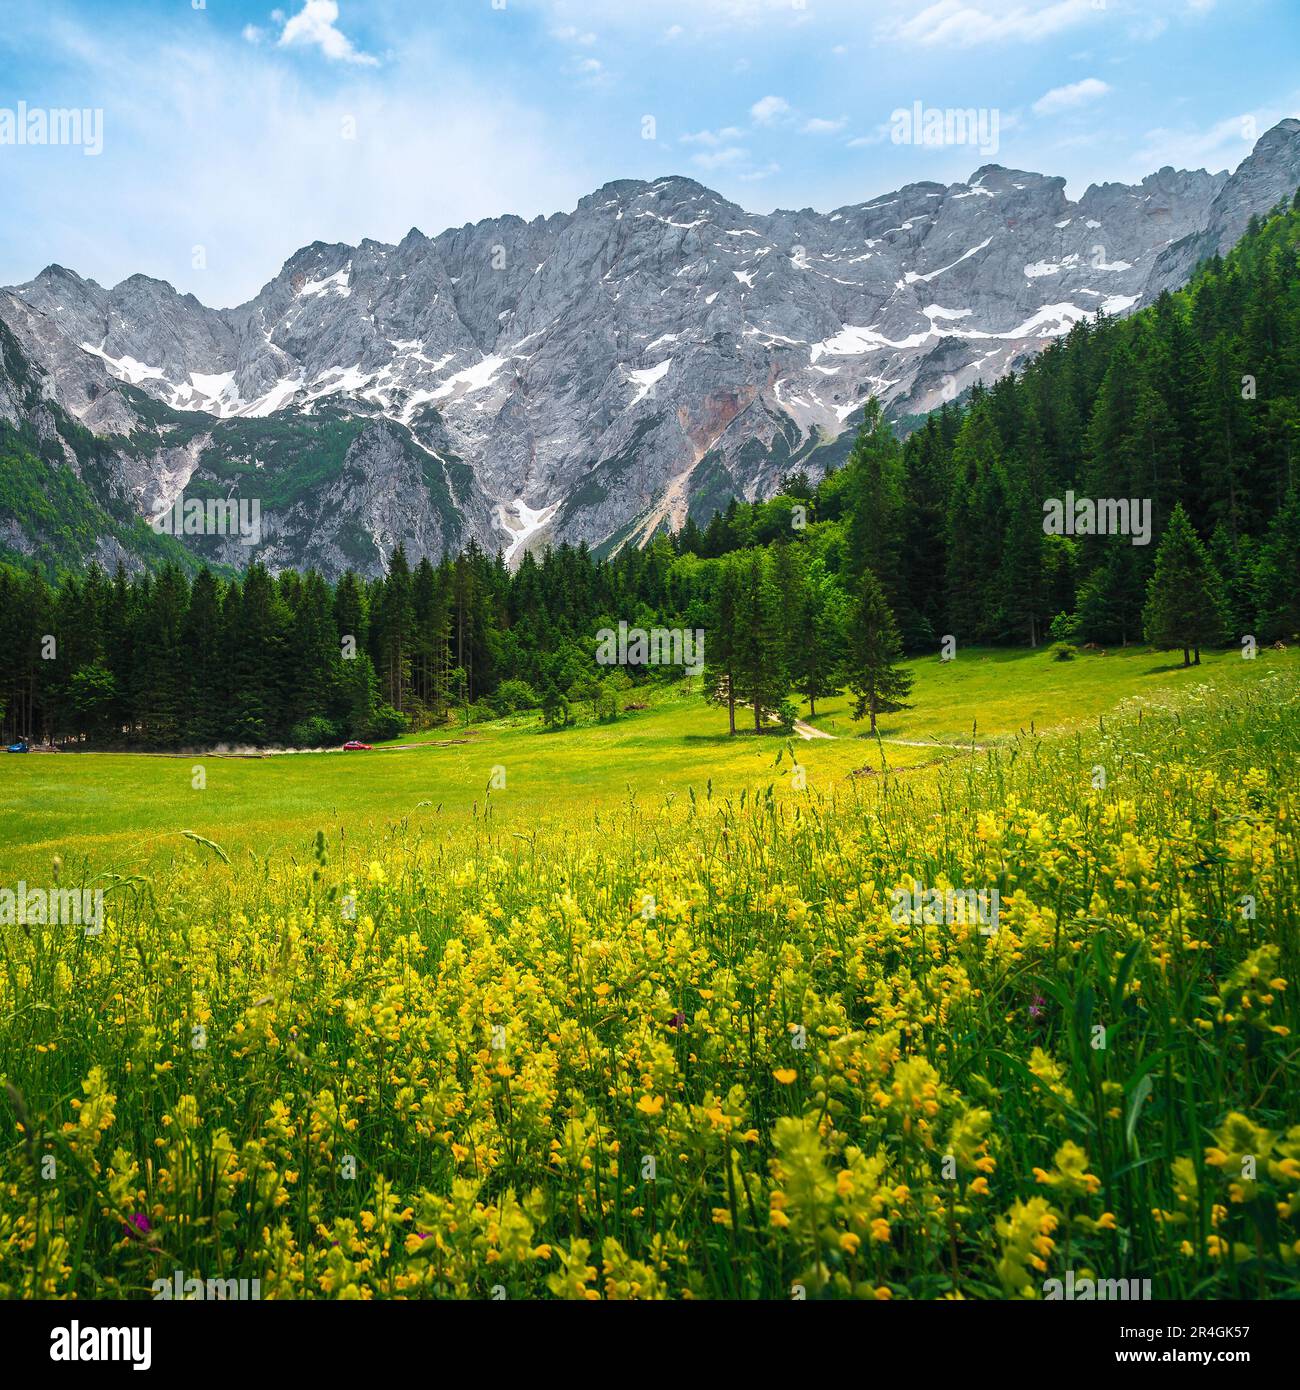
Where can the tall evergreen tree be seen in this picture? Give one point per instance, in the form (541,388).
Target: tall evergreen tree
(875,498)
(881,686)
(1277,574)
(819,628)
(1185,603)
(721,639)
(759,658)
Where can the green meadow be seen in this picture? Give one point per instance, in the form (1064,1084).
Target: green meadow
(648,1022)
(125,812)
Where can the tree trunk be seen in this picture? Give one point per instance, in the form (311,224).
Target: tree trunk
(758,716)
(812,707)
(1197,662)
(731,706)
(873,716)
(1187,657)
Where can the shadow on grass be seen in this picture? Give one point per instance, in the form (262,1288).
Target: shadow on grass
(723,738)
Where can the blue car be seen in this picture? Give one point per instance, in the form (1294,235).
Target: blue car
(19,747)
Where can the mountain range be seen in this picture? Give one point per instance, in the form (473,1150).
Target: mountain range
(592,376)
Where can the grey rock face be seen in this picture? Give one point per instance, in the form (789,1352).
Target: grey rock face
(598,374)
(81,383)
(1266,177)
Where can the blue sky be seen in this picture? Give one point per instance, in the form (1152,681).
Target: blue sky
(248,131)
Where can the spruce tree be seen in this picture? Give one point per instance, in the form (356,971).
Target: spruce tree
(720,642)
(201,643)
(1185,604)
(1277,574)
(759,655)
(875,498)
(393,633)
(818,648)
(881,687)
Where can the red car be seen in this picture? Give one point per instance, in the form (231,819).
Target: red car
(353,746)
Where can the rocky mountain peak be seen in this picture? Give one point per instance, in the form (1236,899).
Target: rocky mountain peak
(598,374)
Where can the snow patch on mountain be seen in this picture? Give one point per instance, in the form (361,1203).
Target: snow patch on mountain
(525,524)
(646,378)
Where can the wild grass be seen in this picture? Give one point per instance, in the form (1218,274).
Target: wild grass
(677,1042)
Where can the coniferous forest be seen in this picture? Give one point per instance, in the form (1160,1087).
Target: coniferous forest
(1192,403)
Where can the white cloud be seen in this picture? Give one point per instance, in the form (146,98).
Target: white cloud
(765,172)
(252,34)
(570,34)
(712,137)
(877,137)
(724,158)
(269,164)
(769,110)
(966,22)
(1148,28)
(1222,145)
(818,125)
(1068,97)
(315,26)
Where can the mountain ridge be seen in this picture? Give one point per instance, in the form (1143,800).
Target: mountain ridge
(600,374)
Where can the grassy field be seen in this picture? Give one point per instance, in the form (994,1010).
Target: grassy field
(123,812)
(647,1021)
(1004,692)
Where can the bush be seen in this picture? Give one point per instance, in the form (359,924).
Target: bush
(586,691)
(555,710)
(513,695)
(606,703)
(315,732)
(1062,651)
(787,714)
(387,722)
(480,712)
(1064,628)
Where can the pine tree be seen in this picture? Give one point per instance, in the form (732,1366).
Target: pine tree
(759,654)
(720,639)
(924,546)
(314,654)
(1277,574)
(818,649)
(975,523)
(393,631)
(1021,570)
(1185,604)
(881,687)
(160,685)
(875,496)
(258,671)
(201,642)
